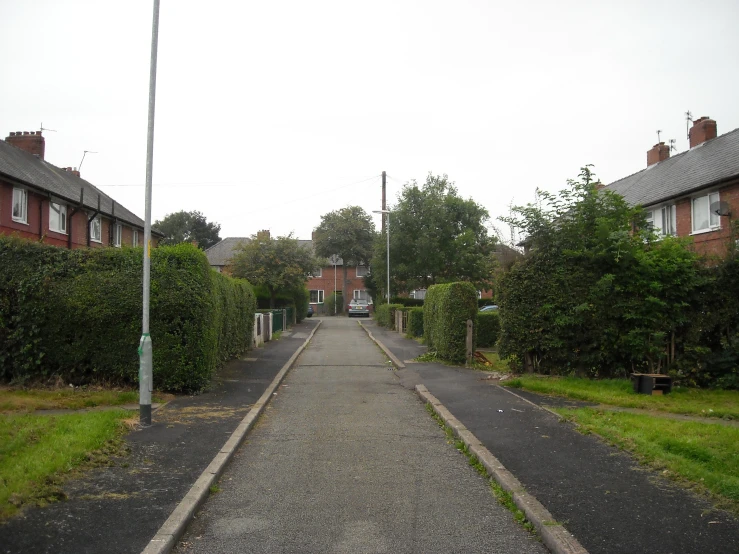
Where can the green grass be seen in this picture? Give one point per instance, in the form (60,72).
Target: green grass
(37,452)
(702,455)
(29,400)
(619,392)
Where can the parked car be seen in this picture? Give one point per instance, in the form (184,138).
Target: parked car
(491,308)
(358,308)
(310,310)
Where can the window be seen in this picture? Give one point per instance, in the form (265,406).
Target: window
(361,270)
(135,240)
(316,297)
(479,295)
(703,218)
(361,295)
(20,205)
(96,231)
(662,220)
(117,232)
(57,217)
(317,273)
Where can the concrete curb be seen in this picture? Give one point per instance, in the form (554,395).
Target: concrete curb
(393,358)
(556,538)
(172,529)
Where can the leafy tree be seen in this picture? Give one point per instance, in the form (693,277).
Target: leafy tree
(347,233)
(281,265)
(188,226)
(435,237)
(597,293)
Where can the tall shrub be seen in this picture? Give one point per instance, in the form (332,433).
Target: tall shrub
(488,329)
(415,322)
(446,311)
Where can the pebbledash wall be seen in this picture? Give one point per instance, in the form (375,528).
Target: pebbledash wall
(38,206)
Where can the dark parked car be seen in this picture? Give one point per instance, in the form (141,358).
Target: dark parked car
(489,308)
(358,308)
(310,310)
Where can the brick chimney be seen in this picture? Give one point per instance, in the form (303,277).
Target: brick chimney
(73,171)
(32,142)
(703,129)
(263,234)
(658,153)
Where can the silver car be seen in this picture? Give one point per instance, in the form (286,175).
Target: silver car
(358,308)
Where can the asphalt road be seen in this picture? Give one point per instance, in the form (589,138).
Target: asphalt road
(347,460)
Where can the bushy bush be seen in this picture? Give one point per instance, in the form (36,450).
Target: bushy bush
(334,304)
(488,328)
(445,314)
(385,315)
(415,322)
(77,314)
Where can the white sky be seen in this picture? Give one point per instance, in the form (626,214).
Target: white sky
(270,114)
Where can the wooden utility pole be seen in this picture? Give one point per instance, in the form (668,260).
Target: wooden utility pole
(384,199)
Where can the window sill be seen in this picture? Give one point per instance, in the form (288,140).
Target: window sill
(704,231)
(20,221)
(57,232)
(98,241)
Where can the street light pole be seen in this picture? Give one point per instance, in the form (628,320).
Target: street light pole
(145,347)
(387,236)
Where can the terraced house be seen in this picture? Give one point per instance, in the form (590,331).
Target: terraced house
(41,201)
(695,193)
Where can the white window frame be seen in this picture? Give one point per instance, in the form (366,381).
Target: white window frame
(319,296)
(58,216)
(20,197)
(663,220)
(117,235)
(96,223)
(363,268)
(714,220)
(135,239)
(317,274)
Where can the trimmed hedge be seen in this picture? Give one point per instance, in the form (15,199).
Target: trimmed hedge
(408,302)
(488,329)
(415,322)
(76,314)
(445,314)
(385,314)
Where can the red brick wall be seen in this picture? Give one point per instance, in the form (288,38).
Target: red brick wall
(711,243)
(326,282)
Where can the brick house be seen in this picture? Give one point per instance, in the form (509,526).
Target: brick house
(40,201)
(320,285)
(695,193)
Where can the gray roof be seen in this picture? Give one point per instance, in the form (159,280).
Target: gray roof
(25,168)
(220,253)
(702,166)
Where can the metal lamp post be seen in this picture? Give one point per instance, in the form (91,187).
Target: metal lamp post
(145,346)
(387,235)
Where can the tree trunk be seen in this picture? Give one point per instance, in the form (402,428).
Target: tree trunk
(272,296)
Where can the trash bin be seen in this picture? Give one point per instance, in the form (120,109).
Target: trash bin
(651,383)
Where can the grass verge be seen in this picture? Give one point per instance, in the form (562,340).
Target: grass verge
(619,392)
(703,456)
(503,497)
(37,452)
(29,400)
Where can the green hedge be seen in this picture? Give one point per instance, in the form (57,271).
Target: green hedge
(488,329)
(409,302)
(385,314)
(445,314)
(77,314)
(415,322)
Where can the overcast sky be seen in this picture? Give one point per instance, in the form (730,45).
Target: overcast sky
(270,114)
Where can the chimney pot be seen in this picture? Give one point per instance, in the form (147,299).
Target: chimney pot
(658,153)
(702,130)
(31,142)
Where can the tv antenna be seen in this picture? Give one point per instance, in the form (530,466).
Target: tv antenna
(688,119)
(659,132)
(83,158)
(672,145)
(45,129)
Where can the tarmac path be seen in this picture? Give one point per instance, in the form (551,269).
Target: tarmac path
(347,460)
